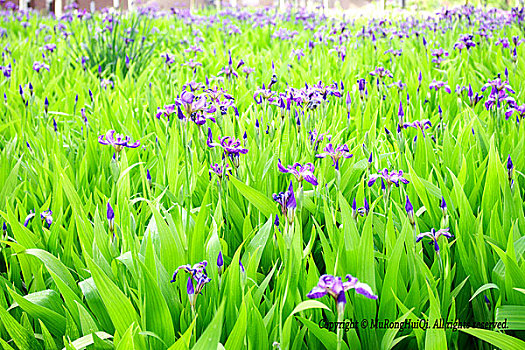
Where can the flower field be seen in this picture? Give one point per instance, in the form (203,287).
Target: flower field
(256,179)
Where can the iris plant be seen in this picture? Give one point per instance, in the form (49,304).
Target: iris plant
(198,275)
(45,216)
(232,147)
(287,203)
(434,236)
(118,141)
(336,154)
(301,172)
(419,124)
(336,288)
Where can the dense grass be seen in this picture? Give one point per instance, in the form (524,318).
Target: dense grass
(85,280)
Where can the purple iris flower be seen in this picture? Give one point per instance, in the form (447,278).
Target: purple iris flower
(336,288)
(6,70)
(325,90)
(519,110)
(228,71)
(193,85)
(231,146)
(315,138)
(223,105)
(361,211)
(310,97)
(399,85)
(438,56)
(49,47)
(28,218)
(517,41)
(220,263)
(297,53)
(194,107)
(394,177)
(434,235)
(194,49)
(168,60)
(410,211)
(118,141)
(504,42)
(264,94)
(301,172)
(340,51)
(419,124)
(460,89)
(443,206)
(247,70)
(473,99)
(498,85)
(198,274)
(217,93)
(47,216)
(497,97)
(381,72)
(197,269)
(465,41)
(192,63)
(363,91)
(105,83)
(394,52)
(436,85)
(167,111)
(37,66)
(110,215)
(287,203)
(220,171)
(335,154)
(510,170)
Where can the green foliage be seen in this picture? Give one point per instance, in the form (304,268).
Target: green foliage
(83,283)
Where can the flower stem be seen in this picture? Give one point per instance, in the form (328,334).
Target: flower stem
(340,316)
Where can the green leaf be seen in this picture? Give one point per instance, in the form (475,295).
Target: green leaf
(157,314)
(54,321)
(329,339)
(513,316)
(482,289)
(49,342)
(388,339)
(435,338)
(118,305)
(501,340)
(236,337)
(183,343)
(212,335)
(87,340)
(259,200)
(21,336)
(304,305)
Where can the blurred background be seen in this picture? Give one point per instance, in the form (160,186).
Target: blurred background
(336,7)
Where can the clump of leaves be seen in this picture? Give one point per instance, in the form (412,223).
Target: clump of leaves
(114,43)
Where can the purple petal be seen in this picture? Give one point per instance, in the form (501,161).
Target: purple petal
(317,292)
